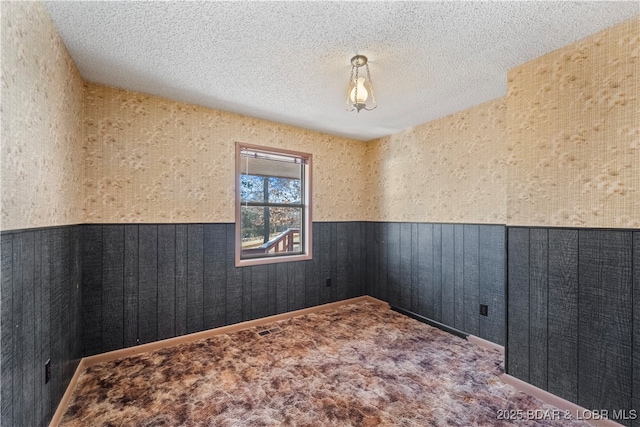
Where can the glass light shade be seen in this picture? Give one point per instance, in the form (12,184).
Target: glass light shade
(366,99)
(363,94)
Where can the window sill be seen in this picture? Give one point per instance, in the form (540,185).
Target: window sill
(272,260)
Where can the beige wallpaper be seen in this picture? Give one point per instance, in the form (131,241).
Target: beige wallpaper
(573,134)
(448,170)
(41,122)
(152,160)
(562,149)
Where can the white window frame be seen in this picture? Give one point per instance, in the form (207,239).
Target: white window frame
(306,235)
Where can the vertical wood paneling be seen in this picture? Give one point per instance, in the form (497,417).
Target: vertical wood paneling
(311,269)
(405,248)
(260,291)
(195,278)
(295,285)
(323,238)
(37,332)
(353,266)
(215,276)
(131,275)
(59,310)
(247,294)
(182,254)
(273,292)
(415,270)
(91,289)
(226,290)
(332,247)
(492,282)
(282,282)
(27,328)
(605,319)
(67,348)
(425,270)
(148,283)
(343,259)
(562,314)
(430,286)
(538,303)
(437,272)
(112,288)
(45,315)
(234,279)
(393,273)
(518,348)
(362,248)
(75,286)
(7,362)
(166,281)
(431,269)
(358,273)
(18,359)
(62,355)
(209,284)
(383,278)
(458,263)
(40,307)
(448,275)
(471,280)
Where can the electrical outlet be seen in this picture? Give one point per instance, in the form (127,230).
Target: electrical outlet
(47,371)
(484,310)
(328,283)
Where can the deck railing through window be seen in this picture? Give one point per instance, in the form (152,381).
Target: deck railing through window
(284,242)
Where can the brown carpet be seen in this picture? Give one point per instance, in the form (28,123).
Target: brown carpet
(357,365)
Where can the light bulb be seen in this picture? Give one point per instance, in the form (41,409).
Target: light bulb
(362,92)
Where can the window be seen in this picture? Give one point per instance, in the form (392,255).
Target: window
(273,205)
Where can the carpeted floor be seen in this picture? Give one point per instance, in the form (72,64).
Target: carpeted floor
(357,365)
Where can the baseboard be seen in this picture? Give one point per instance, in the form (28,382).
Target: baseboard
(171,342)
(66,397)
(485,343)
(431,322)
(373,300)
(576,411)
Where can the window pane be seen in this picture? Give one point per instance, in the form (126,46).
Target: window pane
(252,226)
(278,190)
(270,230)
(252,188)
(284,190)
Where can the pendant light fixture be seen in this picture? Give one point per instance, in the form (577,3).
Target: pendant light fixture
(360,91)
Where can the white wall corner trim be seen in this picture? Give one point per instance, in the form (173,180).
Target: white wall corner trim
(576,411)
(485,343)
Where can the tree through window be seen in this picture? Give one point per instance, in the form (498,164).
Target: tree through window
(273,213)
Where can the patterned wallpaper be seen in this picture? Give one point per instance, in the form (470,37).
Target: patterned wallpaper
(573,134)
(562,149)
(153,160)
(41,122)
(447,170)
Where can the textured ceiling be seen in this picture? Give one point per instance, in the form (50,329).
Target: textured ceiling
(289,61)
